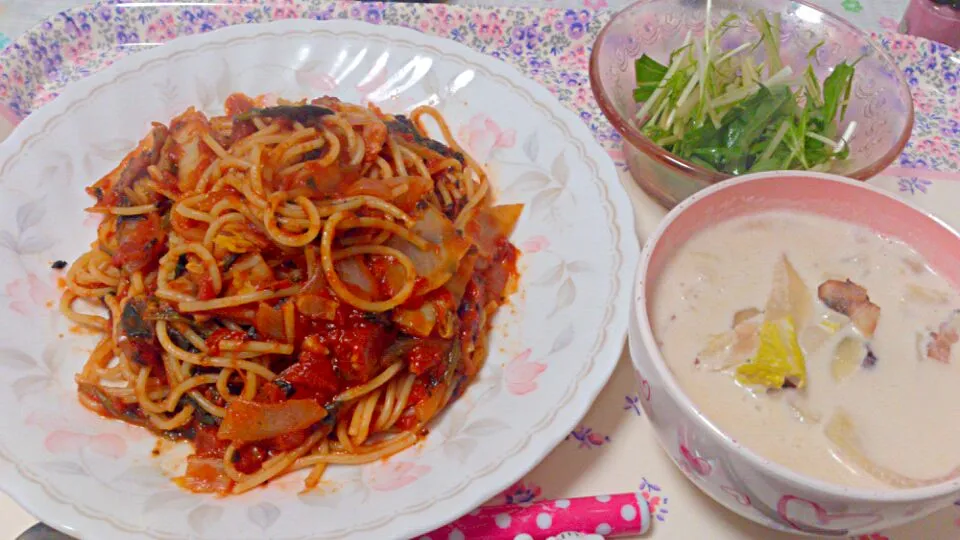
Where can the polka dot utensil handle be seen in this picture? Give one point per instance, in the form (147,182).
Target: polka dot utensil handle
(605,515)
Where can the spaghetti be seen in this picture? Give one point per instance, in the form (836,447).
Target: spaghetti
(289,287)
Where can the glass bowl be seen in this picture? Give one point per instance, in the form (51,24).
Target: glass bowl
(880,102)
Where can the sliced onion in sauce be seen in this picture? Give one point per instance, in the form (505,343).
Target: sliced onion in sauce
(490,224)
(439,262)
(248,421)
(353,272)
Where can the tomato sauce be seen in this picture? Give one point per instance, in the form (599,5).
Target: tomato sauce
(336,347)
(312,376)
(141,242)
(213,342)
(425,356)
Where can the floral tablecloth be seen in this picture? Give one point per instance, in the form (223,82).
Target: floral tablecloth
(17,16)
(596,454)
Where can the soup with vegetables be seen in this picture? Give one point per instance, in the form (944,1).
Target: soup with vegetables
(819,345)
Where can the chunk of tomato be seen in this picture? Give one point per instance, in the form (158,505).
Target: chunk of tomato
(312,377)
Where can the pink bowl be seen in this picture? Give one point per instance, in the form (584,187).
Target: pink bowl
(880,103)
(736,477)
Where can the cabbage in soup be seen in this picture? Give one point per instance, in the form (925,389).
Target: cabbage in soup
(819,345)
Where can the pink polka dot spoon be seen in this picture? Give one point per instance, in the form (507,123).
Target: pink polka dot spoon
(605,515)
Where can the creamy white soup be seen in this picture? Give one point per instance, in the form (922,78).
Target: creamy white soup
(819,345)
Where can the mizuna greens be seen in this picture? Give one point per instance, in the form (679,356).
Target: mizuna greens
(727,112)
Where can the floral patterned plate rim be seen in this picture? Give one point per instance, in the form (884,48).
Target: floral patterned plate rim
(550,354)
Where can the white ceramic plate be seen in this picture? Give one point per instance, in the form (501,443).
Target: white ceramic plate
(552,350)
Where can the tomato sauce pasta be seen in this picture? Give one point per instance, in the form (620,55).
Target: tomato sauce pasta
(289,287)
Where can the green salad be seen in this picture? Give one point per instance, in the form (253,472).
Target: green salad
(727,112)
